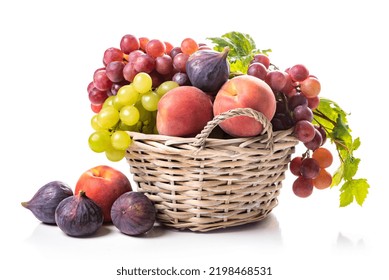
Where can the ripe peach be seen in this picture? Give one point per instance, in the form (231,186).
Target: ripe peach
(244,92)
(183,111)
(103,184)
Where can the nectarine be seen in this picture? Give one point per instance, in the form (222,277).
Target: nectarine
(103,184)
(244,92)
(183,111)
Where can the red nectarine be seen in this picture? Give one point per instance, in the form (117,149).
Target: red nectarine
(183,111)
(103,184)
(244,92)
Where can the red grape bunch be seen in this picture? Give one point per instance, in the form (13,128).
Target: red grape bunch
(297,95)
(125,91)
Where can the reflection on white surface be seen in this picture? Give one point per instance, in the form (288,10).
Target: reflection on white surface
(264,236)
(347,243)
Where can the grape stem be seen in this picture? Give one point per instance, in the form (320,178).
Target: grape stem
(321,115)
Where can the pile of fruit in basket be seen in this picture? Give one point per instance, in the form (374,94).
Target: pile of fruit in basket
(151,86)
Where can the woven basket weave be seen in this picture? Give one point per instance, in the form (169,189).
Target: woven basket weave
(203,183)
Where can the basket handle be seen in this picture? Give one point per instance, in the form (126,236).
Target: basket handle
(267,126)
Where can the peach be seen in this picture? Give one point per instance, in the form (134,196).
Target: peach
(103,184)
(244,92)
(183,112)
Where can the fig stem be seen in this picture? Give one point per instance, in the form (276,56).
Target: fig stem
(24,204)
(82,193)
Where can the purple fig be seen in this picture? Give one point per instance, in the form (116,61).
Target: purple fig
(208,70)
(46,200)
(79,215)
(133,213)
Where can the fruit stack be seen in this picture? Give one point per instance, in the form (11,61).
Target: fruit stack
(209,132)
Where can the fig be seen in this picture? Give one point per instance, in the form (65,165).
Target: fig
(208,70)
(46,200)
(133,213)
(78,215)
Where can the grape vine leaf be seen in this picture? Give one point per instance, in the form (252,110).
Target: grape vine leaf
(333,119)
(242,49)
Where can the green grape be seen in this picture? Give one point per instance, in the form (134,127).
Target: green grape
(125,127)
(95,125)
(99,141)
(150,101)
(108,102)
(166,86)
(116,103)
(142,82)
(129,115)
(127,95)
(120,140)
(143,113)
(107,117)
(115,155)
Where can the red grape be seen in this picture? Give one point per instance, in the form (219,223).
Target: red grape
(323,134)
(155,48)
(129,72)
(309,168)
(323,156)
(101,80)
(134,55)
(304,131)
(295,166)
(96,108)
(97,97)
(189,46)
(296,100)
(310,87)
(144,63)
(261,58)
(323,180)
(258,70)
(313,102)
(179,62)
(276,80)
(181,78)
(164,64)
(298,72)
(129,43)
(143,43)
(302,112)
(112,54)
(316,142)
(302,187)
(114,71)
(169,47)
(175,51)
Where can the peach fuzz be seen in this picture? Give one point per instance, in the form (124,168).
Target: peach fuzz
(244,92)
(183,112)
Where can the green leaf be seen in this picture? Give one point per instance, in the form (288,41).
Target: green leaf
(345,199)
(361,189)
(337,177)
(333,119)
(356,188)
(242,49)
(350,167)
(356,144)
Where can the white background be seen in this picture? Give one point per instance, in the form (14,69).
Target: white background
(49,50)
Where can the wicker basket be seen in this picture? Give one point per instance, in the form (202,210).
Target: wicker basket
(203,183)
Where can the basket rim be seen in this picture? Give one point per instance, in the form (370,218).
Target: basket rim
(202,138)
(174,140)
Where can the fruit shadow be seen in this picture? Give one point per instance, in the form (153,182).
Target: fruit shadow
(268,229)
